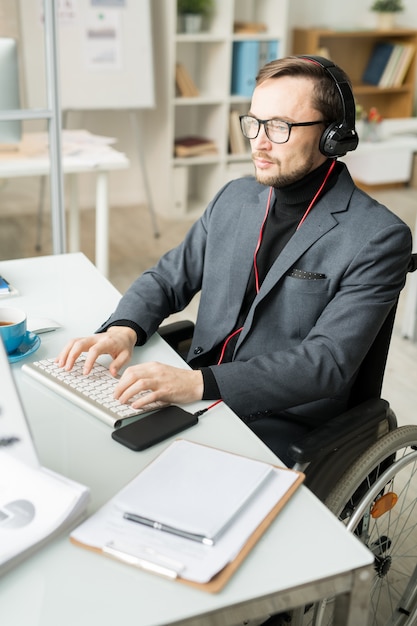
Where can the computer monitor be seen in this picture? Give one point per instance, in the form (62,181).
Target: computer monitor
(10,130)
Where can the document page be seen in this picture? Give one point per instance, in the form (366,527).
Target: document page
(176,556)
(220,485)
(34,503)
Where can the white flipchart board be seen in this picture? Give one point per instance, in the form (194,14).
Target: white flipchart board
(105,50)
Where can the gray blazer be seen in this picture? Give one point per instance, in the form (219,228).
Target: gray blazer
(303,339)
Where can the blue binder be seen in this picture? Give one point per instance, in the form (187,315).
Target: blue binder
(245,67)
(248,58)
(377,62)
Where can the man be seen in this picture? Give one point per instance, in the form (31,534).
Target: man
(297,271)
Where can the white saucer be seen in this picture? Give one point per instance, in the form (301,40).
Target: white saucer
(30,344)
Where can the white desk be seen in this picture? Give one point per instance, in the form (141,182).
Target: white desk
(34,161)
(306,553)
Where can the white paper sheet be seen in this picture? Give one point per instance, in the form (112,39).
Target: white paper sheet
(109,531)
(34,503)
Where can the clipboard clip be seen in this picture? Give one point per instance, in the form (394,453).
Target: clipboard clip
(172,571)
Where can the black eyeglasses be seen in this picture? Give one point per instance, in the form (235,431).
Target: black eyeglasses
(277,131)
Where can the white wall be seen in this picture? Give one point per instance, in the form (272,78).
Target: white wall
(342,14)
(126,187)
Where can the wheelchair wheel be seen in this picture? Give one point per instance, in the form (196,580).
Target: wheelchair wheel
(377,501)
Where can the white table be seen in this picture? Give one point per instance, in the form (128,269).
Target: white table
(306,553)
(35,162)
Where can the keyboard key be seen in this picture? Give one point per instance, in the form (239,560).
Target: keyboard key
(92,392)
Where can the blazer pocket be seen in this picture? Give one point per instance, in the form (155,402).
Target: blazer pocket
(305,275)
(297,285)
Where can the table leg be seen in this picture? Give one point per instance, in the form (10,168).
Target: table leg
(74,213)
(352,609)
(102,223)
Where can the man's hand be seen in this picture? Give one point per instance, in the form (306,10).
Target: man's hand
(163,383)
(118,341)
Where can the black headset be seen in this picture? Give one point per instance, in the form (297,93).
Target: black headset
(341,136)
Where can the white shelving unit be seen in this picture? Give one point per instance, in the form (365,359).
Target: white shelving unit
(182,187)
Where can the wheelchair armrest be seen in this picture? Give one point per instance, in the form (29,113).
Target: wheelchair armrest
(177,332)
(354,424)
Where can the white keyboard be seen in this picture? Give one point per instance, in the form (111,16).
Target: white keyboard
(93,393)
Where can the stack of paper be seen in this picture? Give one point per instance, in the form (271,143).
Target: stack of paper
(198,510)
(35,504)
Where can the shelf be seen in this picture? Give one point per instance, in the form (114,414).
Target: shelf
(198,160)
(351,50)
(190,183)
(374,90)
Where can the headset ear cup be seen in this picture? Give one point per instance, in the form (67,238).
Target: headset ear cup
(325,139)
(337,139)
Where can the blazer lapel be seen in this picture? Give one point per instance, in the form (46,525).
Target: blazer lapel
(317,224)
(245,240)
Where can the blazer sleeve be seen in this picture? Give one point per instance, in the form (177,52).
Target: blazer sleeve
(169,286)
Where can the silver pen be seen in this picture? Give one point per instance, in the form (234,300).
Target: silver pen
(138,519)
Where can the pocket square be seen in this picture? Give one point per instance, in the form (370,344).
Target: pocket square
(295,273)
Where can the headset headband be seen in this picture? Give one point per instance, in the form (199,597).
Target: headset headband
(340,137)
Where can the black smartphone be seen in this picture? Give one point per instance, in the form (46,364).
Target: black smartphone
(154,428)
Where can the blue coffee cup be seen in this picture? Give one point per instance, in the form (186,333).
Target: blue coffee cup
(12,328)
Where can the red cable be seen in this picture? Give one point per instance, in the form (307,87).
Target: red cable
(226,342)
(258,245)
(310,206)
(202,411)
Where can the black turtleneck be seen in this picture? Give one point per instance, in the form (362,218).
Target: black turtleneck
(288,205)
(291,202)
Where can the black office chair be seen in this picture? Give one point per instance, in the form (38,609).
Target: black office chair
(361,465)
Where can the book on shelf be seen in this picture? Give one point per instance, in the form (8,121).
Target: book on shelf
(248,28)
(386,79)
(194,145)
(377,62)
(185,84)
(388,64)
(248,58)
(192,514)
(236,139)
(36,503)
(403,64)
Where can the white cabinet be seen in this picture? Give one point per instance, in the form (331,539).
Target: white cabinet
(183,186)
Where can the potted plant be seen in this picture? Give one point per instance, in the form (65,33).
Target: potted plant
(192,13)
(386,10)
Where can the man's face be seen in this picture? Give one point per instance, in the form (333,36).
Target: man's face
(288,99)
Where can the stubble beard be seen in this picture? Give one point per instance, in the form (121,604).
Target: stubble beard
(282,179)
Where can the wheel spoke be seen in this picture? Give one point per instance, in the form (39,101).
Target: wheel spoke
(389,467)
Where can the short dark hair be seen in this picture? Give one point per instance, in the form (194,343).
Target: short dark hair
(325,96)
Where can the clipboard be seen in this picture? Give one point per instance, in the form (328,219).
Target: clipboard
(222,576)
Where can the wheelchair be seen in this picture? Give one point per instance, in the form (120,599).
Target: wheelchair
(361,465)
